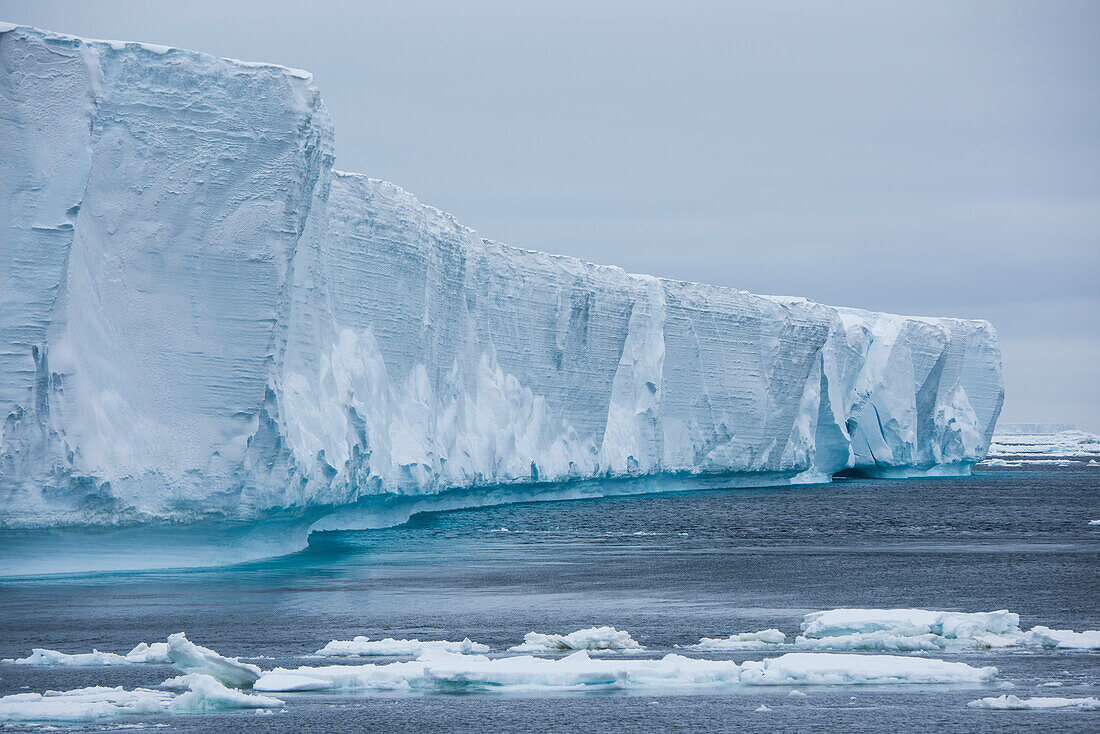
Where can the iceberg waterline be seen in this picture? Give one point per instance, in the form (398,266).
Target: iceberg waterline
(205,321)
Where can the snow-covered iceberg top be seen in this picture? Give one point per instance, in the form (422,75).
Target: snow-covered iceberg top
(338,342)
(594,639)
(361,646)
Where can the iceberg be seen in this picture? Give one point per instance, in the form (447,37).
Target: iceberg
(1009,702)
(580,672)
(361,646)
(204,322)
(192,658)
(595,639)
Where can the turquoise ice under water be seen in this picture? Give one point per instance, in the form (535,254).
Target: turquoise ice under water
(669,568)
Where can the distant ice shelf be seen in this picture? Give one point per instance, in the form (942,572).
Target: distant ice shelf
(203,321)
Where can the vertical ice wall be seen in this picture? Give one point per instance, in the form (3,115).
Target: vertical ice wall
(152,202)
(202,319)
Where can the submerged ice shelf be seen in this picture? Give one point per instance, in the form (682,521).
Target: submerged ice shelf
(203,321)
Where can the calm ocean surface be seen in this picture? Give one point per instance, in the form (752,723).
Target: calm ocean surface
(669,568)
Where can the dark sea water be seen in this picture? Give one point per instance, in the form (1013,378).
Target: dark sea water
(669,568)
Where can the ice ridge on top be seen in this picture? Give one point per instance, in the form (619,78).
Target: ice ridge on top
(202,319)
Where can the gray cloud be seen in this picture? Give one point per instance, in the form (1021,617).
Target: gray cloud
(939,158)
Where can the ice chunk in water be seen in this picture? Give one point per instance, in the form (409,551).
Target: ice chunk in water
(82,704)
(602,639)
(362,646)
(741,641)
(580,671)
(192,658)
(157,653)
(207,693)
(804,668)
(1009,702)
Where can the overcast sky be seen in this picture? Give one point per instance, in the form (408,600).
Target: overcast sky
(933,158)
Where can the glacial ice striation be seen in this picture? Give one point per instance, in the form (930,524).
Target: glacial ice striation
(200,319)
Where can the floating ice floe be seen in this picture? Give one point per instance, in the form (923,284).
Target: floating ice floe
(157,653)
(204,693)
(1062,639)
(446,671)
(922,629)
(362,646)
(1008,702)
(907,630)
(596,639)
(741,641)
(833,669)
(82,704)
(192,658)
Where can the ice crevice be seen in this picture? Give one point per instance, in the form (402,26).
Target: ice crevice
(224,330)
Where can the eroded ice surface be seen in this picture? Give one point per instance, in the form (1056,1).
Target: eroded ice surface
(202,320)
(596,639)
(361,646)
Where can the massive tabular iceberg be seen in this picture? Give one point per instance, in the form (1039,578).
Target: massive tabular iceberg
(201,319)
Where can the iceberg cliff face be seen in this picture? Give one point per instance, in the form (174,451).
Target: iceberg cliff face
(200,318)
